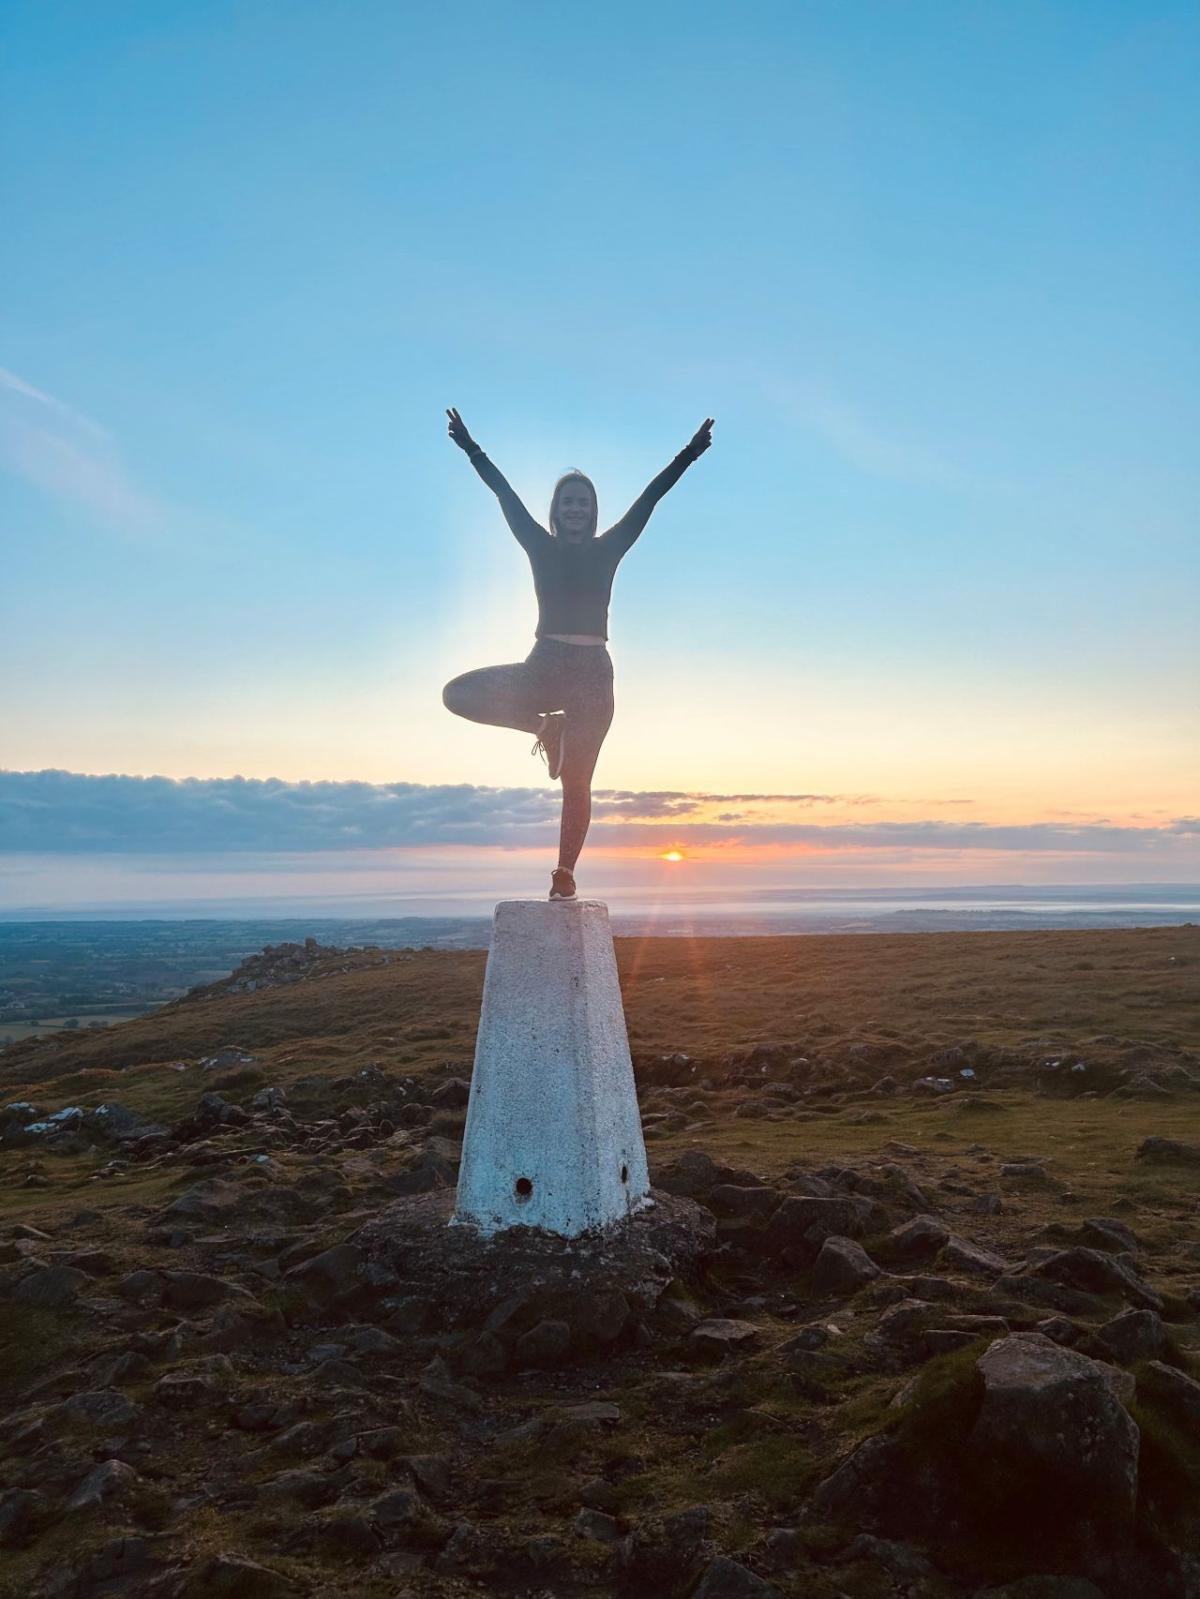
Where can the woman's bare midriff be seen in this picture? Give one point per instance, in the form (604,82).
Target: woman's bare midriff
(576,638)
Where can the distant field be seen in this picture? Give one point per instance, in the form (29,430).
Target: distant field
(703,996)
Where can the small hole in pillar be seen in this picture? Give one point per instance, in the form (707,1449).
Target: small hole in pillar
(523,1187)
(624,1174)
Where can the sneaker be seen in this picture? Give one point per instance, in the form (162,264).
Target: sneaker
(550,741)
(562,884)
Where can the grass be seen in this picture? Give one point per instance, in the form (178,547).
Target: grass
(32,1343)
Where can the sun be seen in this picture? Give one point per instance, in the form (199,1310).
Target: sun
(671,855)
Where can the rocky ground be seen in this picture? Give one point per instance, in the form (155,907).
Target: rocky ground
(935,1333)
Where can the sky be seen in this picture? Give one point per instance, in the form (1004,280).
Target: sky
(925,612)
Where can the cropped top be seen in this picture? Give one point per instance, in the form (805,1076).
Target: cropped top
(573,582)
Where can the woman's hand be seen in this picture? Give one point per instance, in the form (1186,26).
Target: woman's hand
(701,438)
(458,431)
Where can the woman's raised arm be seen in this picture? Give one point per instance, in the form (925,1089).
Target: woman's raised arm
(623,533)
(525,529)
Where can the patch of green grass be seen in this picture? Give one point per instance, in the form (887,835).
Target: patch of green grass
(1169,1457)
(777,1469)
(945,1400)
(32,1341)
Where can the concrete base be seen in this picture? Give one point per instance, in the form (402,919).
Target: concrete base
(553,1137)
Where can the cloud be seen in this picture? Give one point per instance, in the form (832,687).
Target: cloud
(70,458)
(645,804)
(58,812)
(857,438)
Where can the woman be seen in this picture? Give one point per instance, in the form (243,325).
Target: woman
(563,690)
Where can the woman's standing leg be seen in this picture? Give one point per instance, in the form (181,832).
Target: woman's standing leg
(589,715)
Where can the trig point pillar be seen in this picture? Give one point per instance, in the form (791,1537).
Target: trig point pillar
(553,1136)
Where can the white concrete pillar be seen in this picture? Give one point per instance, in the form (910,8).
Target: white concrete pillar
(553,1136)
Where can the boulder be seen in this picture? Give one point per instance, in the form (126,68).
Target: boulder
(1173,1389)
(803,1222)
(919,1239)
(547,1344)
(331,1275)
(1094,1271)
(842,1267)
(722,1336)
(109,1478)
(729,1579)
(50,1288)
(1133,1335)
(1168,1151)
(959,1255)
(1052,1415)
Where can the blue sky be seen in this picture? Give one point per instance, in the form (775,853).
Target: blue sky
(932,268)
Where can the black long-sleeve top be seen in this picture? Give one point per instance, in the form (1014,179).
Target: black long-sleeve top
(573,582)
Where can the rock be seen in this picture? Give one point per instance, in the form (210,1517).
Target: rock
(602,1316)
(598,1526)
(332,1275)
(756,1202)
(436,1381)
(117,1123)
(234,1577)
(50,1288)
(1168,1151)
(210,1201)
(590,1414)
(1053,1416)
(370,1341)
(1133,1335)
(1025,1288)
(729,1579)
(308,1489)
(804,1222)
(1174,1390)
(454,1094)
(917,1239)
(21,1511)
(109,1478)
(959,1255)
(1104,1232)
(402,1511)
(465,1551)
(901,1324)
(1024,1171)
(721,1336)
(142,1287)
(346,1533)
(436,1166)
(905,1564)
(100,1407)
(694,1175)
(194,1290)
(1095,1272)
(1047,1587)
(486,1357)
(185,1390)
(547,1344)
(1059,1329)
(842,1267)
(598,1495)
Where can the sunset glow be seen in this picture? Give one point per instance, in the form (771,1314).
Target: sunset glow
(671,855)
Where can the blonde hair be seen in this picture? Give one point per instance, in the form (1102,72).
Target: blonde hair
(573,476)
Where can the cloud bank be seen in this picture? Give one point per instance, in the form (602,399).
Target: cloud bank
(58,812)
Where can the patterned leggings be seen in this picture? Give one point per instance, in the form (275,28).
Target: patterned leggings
(575,678)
